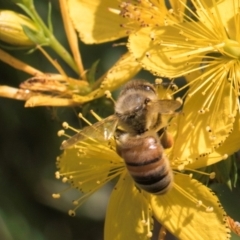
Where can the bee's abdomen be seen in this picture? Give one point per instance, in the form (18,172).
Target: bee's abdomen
(147,164)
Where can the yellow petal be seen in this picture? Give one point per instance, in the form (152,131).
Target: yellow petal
(184,219)
(230,146)
(94,22)
(199,129)
(89,166)
(46,100)
(128,215)
(120,73)
(156,57)
(227,10)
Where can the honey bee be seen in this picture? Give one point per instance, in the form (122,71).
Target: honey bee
(139,129)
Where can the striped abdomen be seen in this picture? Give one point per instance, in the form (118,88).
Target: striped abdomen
(146,162)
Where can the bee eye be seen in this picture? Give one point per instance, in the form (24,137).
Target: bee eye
(148,88)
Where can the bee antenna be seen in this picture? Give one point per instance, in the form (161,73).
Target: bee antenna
(109,96)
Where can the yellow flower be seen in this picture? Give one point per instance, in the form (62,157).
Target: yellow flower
(102,21)
(205,48)
(182,211)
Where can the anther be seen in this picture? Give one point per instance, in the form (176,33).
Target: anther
(60,133)
(64,180)
(75,202)
(181,167)
(65,125)
(208,129)
(158,81)
(149,234)
(199,203)
(109,96)
(147,54)
(56,195)
(209,209)
(72,213)
(57,175)
(225,156)
(212,175)
(201,111)
(179,100)
(144,222)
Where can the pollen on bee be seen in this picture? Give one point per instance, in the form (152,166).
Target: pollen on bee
(98,182)
(72,213)
(56,195)
(190,175)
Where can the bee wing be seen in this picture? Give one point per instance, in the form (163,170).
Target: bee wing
(165,106)
(100,131)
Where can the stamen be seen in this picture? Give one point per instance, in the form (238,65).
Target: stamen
(61,133)
(188,196)
(95,115)
(211,175)
(84,119)
(109,96)
(65,125)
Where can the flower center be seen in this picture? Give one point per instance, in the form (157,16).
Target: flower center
(232,48)
(143,13)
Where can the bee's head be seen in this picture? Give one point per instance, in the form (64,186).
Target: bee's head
(132,105)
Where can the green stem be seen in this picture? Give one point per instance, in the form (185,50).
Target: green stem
(53,42)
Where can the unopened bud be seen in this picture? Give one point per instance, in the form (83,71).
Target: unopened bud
(11,28)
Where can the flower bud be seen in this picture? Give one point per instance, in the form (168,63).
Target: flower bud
(11,30)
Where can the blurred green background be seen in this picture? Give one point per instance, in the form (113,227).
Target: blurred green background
(29,146)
